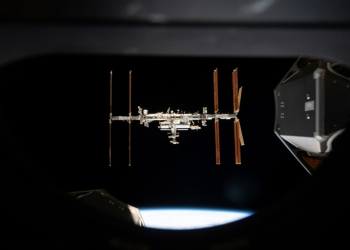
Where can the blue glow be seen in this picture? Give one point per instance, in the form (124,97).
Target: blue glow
(180,219)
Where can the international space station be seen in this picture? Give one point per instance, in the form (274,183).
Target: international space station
(173,122)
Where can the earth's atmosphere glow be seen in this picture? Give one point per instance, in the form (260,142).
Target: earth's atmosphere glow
(179,219)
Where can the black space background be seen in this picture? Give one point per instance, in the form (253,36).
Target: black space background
(57,108)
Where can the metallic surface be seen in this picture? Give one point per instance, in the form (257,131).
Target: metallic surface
(310,98)
(103,201)
(217,143)
(110,119)
(160,116)
(319,76)
(235,90)
(237,142)
(238,136)
(171,121)
(216,109)
(216,92)
(174,122)
(239,96)
(130,115)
